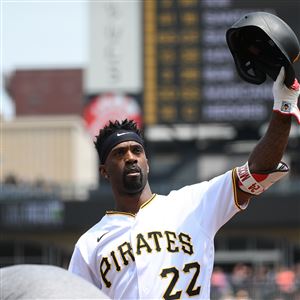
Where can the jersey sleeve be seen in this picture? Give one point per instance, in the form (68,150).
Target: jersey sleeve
(80,267)
(216,202)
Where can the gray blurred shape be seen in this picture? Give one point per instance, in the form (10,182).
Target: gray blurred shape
(30,282)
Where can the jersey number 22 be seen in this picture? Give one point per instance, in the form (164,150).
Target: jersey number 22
(191,289)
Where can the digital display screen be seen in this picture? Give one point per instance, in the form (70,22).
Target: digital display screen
(189,73)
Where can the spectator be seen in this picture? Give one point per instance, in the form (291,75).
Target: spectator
(285,282)
(220,286)
(241,278)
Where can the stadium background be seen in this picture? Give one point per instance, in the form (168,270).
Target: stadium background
(165,64)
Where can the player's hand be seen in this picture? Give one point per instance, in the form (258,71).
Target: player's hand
(286,99)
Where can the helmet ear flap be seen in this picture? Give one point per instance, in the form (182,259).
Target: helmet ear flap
(273,73)
(249,70)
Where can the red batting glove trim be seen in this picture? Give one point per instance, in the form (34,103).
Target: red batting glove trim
(295,85)
(296,115)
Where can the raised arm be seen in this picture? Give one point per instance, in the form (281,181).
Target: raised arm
(267,154)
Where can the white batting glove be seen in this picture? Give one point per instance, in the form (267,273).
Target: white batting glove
(286,99)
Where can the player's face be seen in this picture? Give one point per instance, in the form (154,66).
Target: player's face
(127,168)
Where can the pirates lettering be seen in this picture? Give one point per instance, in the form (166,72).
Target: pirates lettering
(145,244)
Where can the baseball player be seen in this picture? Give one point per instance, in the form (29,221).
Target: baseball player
(161,247)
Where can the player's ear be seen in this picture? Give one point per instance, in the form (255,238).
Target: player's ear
(147,166)
(103,171)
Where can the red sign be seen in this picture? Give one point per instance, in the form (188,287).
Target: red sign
(111,107)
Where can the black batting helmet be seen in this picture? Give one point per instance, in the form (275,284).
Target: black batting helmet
(261,43)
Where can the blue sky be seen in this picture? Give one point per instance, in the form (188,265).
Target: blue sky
(41,34)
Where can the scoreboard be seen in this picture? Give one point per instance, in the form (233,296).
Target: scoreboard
(189,73)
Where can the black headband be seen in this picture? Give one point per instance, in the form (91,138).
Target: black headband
(117,138)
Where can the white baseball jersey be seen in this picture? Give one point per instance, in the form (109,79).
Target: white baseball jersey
(165,251)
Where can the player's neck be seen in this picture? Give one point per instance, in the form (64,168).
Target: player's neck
(132,203)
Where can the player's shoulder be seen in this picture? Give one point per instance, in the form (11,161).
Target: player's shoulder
(187,193)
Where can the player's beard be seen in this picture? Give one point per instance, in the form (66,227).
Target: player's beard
(134,185)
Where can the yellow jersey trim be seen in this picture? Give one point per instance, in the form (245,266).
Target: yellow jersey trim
(112,212)
(148,201)
(115,212)
(234,189)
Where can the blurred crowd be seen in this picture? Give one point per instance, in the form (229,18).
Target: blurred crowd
(246,282)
